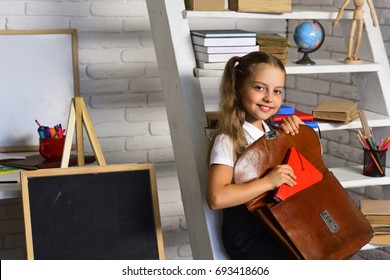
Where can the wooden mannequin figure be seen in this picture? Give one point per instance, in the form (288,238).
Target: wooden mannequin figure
(358,19)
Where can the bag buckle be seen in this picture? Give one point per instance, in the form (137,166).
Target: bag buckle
(329,221)
(272,134)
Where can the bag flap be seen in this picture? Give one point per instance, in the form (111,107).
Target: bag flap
(323,222)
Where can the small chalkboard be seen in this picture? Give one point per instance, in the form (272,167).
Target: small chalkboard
(95,213)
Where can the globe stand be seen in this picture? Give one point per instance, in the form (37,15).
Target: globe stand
(313,24)
(305,60)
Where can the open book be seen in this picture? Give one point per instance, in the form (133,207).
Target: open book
(305,172)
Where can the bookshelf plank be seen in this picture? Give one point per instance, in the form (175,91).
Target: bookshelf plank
(296,14)
(374,120)
(322,66)
(352,177)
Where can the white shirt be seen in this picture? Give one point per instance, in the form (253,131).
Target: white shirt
(222,151)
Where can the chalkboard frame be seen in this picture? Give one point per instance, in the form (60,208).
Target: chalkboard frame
(40,76)
(47,175)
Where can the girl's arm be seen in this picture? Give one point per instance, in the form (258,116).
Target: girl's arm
(221,193)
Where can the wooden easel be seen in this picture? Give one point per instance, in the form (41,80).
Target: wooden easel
(77,116)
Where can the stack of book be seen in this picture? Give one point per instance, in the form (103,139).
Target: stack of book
(263,6)
(213,48)
(338,111)
(201,5)
(286,111)
(274,44)
(377,212)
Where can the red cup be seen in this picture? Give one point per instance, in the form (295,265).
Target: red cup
(51,148)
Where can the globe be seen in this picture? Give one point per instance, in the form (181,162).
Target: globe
(309,36)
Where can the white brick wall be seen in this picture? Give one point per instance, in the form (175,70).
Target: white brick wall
(121,86)
(119,80)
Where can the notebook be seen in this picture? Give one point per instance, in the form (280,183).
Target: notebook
(305,172)
(286,110)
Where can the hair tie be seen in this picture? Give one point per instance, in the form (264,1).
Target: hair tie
(236,64)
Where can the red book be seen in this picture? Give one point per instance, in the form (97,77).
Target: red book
(302,115)
(306,173)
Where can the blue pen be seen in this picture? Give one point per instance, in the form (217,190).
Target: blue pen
(41,132)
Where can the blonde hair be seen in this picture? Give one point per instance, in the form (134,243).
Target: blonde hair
(232,114)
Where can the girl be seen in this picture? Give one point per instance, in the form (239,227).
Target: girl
(251,93)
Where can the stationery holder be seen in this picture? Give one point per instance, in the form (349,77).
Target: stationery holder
(374,163)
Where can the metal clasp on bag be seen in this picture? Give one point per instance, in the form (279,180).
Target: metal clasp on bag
(329,221)
(272,134)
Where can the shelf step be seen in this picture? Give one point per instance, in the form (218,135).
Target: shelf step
(321,66)
(332,66)
(374,120)
(296,14)
(352,177)
(373,246)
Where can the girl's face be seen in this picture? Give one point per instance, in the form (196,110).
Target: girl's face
(261,95)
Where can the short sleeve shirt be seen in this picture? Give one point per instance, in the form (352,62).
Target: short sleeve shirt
(222,151)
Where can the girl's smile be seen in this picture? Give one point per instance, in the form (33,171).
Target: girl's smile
(265,108)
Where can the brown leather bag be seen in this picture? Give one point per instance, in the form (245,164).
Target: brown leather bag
(320,222)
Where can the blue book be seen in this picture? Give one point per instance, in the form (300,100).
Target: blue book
(312,124)
(286,110)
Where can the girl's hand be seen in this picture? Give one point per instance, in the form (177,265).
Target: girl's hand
(290,125)
(281,174)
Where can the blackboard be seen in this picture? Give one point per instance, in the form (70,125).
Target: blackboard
(39,76)
(94,213)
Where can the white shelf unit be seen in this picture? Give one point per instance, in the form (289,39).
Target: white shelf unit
(187,116)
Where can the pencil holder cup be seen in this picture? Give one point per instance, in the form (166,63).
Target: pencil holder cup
(51,148)
(374,163)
